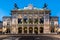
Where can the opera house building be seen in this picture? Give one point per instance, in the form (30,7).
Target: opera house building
(30,20)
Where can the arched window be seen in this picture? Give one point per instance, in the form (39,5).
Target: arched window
(25,19)
(36,20)
(25,29)
(41,20)
(8,30)
(31,20)
(52,29)
(30,30)
(36,30)
(41,29)
(19,20)
(20,30)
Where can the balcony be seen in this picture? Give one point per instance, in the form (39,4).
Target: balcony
(30,21)
(35,21)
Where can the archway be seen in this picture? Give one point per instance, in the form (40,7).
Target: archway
(52,29)
(36,30)
(8,30)
(30,30)
(25,29)
(41,29)
(20,30)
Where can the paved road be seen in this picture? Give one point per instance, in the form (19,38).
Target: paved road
(32,38)
(9,35)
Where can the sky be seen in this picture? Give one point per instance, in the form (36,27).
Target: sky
(7,5)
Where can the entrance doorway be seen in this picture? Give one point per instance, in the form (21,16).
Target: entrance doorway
(8,30)
(30,30)
(41,29)
(25,30)
(52,30)
(20,30)
(36,30)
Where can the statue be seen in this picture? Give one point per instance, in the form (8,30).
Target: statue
(45,5)
(15,6)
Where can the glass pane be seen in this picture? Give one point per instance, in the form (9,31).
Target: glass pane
(41,29)
(19,21)
(36,30)
(31,21)
(25,20)
(25,29)
(36,21)
(30,30)
(42,20)
(20,30)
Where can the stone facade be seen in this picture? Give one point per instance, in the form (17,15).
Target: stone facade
(30,20)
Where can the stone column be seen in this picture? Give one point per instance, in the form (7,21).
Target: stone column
(16,30)
(55,29)
(33,23)
(33,18)
(46,23)
(27,30)
(33,29)
(38,30)
(22,30)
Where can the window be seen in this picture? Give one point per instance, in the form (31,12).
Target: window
(8,30)
(41,29)
(25,20)
(8,23)
(31,21)
(42,20)
(25,29)
(36,21)
(52,26)
(52,29)
(30,30)
(36,30)
(52,23)
(20,30)
(19,21)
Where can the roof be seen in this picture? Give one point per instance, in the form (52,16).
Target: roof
(6,16)
(0,21)
(1,24)
(54,17)
(31,7)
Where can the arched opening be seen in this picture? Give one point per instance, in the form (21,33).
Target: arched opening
(8,30)
(41,29)
(52,30)
(41,20)
(36,30)
(19,21)
(25,19)
(30,30)
(20,30)
(52,27)
(25,29)
(36,20)
(30,21)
